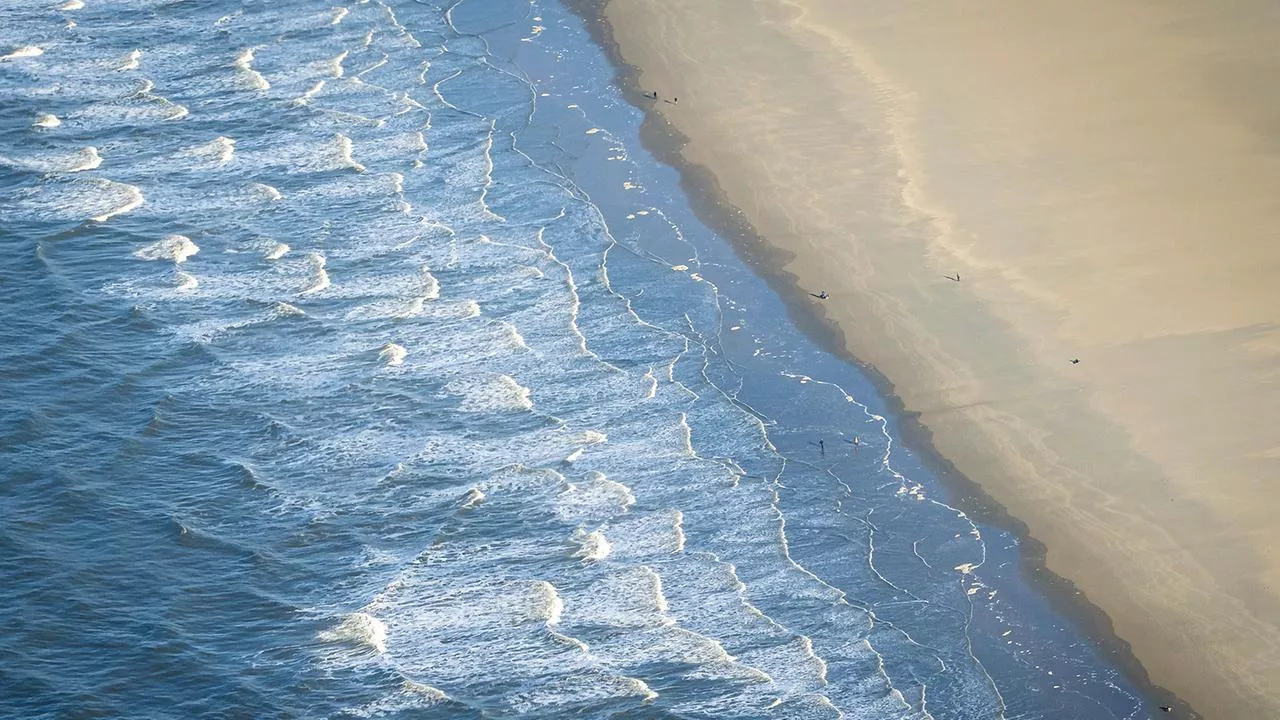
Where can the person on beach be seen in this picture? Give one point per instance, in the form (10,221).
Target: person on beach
(822,447)
(821,295)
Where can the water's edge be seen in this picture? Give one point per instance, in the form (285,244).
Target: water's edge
(666,143)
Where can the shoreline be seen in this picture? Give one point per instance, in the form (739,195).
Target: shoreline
(662,138)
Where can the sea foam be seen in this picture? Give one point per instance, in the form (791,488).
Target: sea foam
(359,628)
(176,248)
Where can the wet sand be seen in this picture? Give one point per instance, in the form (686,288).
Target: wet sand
(1106,181)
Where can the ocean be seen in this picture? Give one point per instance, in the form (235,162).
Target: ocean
(359,361)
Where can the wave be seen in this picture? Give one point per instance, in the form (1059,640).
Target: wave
(132,199)
(79,161)
(71,5)
(344,153)
(495,394)
(474,497)
(334,64)
(546,603)
(26,51)
(284,309)
(338,14)
(686,436)
(677,526)
(411,696)
(596,498)
(305,98)
(359,628)
(221,149)
(47,120)
(414,308)
(249,77)
(131,61)
(513,336)
(87,159)
(276,251)
(394,354)
(319,276)
(266,191)
(187,282)
(594,546)
(430,286)
(176,248)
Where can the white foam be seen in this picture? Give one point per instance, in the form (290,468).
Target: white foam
(79,161)
(678,527)
(133,199)
(249,77)
(334,64)
(86,159)
(338,14)
(546,605)
(344,153)
(359,628)
(305,98)
(277,251)
(187,282)
(430,286)
(514,338)
(176,248)
(686,436)
(414,308)
(474,497)
(131,61)
(319,276)
(394,354)
(71,5)
(220,149)
(594,545)
(592,437)
(26,51)
(653,385)
(47,120)
(266,191)
(493,394)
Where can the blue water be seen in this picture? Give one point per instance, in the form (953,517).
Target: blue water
(395,379)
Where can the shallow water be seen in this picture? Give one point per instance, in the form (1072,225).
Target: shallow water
(360,362)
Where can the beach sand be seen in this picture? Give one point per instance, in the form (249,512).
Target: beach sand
(1105,178)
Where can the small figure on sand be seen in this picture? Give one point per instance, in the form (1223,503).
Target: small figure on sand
(956,278)
(652,96)
(1166,708)
(672,101)
(821,295)
(1075,361)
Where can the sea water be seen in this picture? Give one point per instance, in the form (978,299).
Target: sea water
(358,361)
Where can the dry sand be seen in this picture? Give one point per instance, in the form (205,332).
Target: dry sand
(1105,177)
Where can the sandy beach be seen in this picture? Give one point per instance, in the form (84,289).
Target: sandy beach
(1103,179)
